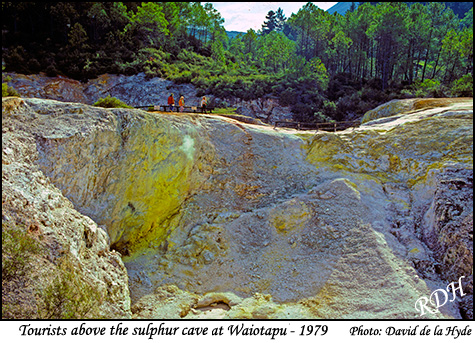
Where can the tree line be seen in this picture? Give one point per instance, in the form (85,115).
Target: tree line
(325,66)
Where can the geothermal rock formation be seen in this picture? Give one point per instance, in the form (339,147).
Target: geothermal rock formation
(215,218)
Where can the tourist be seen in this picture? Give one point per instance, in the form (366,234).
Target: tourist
(171,102)
(203,105)
(181,103)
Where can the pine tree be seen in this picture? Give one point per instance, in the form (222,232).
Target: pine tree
(271,23)
(280,20)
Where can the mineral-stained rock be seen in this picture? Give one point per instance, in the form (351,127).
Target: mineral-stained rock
(219,219)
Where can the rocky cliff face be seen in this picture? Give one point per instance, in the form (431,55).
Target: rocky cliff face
(73,246)
(136,90)
(215,218)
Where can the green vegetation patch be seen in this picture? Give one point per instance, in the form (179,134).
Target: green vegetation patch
(111,102)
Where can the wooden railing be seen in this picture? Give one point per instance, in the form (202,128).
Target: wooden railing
(166,108)
(335,126)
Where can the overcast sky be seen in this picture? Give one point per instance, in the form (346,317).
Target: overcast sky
(242,16)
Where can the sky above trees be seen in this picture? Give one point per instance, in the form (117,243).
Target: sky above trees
(242,16)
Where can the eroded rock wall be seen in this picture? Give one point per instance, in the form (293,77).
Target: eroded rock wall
(72,243)
(266,223)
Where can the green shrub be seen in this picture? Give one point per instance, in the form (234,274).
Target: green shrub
(224,110)
(329,111)
(322,118)
(9,91)
(6,89)
(111,102)
(184,77)
(68,295)
(347,106)
(463,86)
(18,248)
(428,89)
